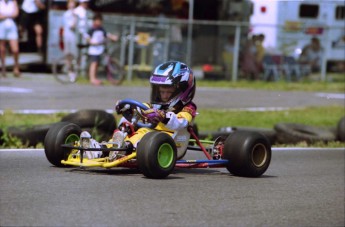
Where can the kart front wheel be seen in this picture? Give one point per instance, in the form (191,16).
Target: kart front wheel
(60,133)
(156,155)
(249,153)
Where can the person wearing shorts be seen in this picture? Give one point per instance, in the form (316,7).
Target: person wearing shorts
(69,36)
(9,33)
(96,38)
(32,14)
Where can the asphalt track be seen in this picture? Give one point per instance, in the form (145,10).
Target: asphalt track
(41,93)
(300,188)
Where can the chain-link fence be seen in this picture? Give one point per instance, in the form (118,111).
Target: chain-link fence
(221,49)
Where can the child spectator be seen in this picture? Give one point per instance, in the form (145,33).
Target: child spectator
(96,38)
(171,106)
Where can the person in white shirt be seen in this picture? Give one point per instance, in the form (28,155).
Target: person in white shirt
(70,20)
(96,38)
(9,33)
(32,17)
(84,16)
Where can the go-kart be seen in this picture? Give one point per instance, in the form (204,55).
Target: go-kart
(246,154)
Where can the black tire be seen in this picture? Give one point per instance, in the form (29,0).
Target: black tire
(149,151)
(61,72)
(2,141)
(341,130)
(60,133)
(115,72)
(30,136)
(249,153)
(291,133)
(99,119)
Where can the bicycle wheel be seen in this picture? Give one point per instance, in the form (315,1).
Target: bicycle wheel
(63,72)
(115,71)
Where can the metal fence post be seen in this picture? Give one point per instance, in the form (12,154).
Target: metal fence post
(324,60)
(236,53)
(131,50)
(190,32)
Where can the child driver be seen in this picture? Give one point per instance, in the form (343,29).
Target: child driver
(171,106)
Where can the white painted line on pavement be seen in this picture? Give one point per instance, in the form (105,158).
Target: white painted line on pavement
(331,95)
(53,111)
(14,90)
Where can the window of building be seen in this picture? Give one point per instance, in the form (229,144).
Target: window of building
(308,11)
(340,12)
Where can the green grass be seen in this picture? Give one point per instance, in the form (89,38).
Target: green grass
(209,120)
(9,119)
(317,116)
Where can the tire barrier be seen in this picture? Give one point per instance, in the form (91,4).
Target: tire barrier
(99,119)
(29,136)
(291,133)
(102,124)
(270,134)
(341,130)
(97,122)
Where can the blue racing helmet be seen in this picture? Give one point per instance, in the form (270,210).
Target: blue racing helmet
(178,75)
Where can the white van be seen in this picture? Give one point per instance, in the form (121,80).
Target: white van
(289,25)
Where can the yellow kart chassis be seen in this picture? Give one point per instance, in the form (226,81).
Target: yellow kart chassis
(80,161)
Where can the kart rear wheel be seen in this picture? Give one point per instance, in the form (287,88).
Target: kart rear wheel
(156,155)
(60,133)
(249,153)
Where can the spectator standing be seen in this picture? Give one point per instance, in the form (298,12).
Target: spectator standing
(248,60)
(83,15)
(260,51)
(96,38)
(31,18)
(69,34)
(228,56)
(9,33)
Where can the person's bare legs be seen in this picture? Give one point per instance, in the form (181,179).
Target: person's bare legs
(2,56)
(15,51)
(38,31)
(93,72)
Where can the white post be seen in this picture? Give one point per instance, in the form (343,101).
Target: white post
(236,53)
(190,32)
(131,50)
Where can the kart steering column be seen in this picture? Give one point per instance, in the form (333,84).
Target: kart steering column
(190,130)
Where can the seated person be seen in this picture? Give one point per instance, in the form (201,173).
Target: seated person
(171,106)
(311,55)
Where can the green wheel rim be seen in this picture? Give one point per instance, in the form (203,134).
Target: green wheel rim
(71,138)
(165,155)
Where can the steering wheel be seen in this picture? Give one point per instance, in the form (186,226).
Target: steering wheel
(131,110)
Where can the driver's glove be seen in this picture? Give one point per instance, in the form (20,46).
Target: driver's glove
(154,116)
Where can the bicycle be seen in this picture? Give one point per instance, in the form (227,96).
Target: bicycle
(109,67)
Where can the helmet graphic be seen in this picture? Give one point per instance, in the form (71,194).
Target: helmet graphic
(173,74)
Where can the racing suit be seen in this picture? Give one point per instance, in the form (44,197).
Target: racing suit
(174,122)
